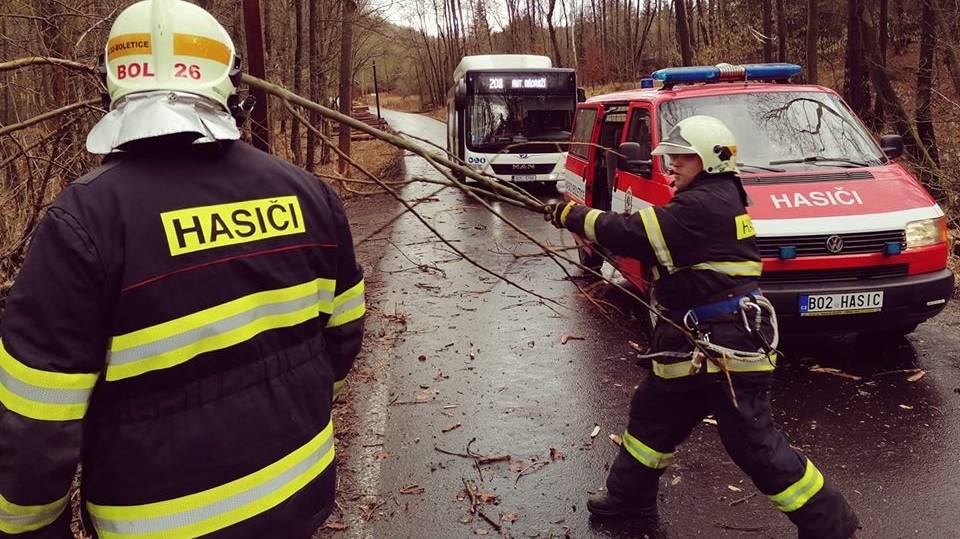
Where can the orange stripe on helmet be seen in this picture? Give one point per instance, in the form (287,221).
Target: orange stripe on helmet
(201,47)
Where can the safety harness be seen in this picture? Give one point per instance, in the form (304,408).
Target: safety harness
(751,308)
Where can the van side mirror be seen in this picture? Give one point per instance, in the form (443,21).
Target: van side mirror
(892,146)
(581,94)
(631,160)
(460,95)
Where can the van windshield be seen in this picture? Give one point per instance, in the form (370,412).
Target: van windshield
(786,130)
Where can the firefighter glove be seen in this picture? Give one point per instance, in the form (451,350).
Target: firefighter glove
(556,213)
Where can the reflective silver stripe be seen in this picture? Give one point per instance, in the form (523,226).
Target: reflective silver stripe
(176,341)
(219,327)
(43,395)
(16,519)
(590,223)
(218,508)
(745,267)
(644,454)
(348,306)
(655,236)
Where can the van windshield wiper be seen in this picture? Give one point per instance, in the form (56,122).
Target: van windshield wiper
(816,159)
(760,167)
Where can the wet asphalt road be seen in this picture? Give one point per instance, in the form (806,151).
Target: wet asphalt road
(462,366)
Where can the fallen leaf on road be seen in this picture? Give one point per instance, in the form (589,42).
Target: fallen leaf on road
(564,339)
(412,489)
(488,498)
(335,525)
(916,376)
(710,421)
(508,517)
(451,426)
(616,438)
(676,480)
(735,489)
(481,531)
(555,455)
(905,406)
(596,431)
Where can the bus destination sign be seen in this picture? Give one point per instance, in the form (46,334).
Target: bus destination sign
(495,83)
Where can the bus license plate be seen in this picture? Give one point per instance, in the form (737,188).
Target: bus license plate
(524,178)
(846,303)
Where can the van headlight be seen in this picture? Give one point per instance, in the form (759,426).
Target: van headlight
(926,232)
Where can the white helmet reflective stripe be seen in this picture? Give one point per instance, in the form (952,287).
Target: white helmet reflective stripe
(169,45)
(706,137)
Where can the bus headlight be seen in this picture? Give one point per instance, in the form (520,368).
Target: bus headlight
(926,232)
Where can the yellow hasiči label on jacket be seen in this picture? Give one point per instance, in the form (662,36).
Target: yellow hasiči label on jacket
(208,227)
(744,226)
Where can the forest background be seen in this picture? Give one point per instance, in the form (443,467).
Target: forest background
(894,61)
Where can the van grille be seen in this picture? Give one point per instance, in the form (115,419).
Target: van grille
(816,245)
(833,275)
(807,178)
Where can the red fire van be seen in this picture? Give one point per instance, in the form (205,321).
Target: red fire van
(850,241)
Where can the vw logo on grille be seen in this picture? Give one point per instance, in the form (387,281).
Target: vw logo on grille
(834,244)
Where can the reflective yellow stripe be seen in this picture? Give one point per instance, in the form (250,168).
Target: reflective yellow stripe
(43,395)
(566,210)
(743,267)
(647,456)
(25,518)
(177,341)
(655,236)
(590,223)
(205,512)
(682,368)
(348,306)
(800,492)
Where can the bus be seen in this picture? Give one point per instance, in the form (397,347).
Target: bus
(509,116)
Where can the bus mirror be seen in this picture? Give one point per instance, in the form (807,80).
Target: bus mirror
(892,146)
(581,94)
(460,95)
(631,160)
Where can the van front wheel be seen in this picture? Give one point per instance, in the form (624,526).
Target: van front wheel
(590,258)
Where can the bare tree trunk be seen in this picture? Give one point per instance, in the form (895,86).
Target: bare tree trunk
(297,77)
(895,110)
(781,32)
(683,33)
(767,31)
(313,63)
(551,29)
(854,71)
(948,47)
(928,43)
(813,36)
(346,81)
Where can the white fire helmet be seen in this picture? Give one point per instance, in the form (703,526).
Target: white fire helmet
(173,67)
(706,137)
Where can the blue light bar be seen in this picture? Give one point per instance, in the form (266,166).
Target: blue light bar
(646,82)
(725,72)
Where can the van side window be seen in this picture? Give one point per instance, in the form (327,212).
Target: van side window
(639,131)
(582,132)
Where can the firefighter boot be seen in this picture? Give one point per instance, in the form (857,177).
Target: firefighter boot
(605,504)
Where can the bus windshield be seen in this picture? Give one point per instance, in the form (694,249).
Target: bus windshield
(786,130)
(496,121)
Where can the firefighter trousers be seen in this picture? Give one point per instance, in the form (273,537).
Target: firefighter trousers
(663,412)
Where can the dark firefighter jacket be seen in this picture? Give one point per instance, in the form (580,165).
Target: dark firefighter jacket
(177,328)
(701,246)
